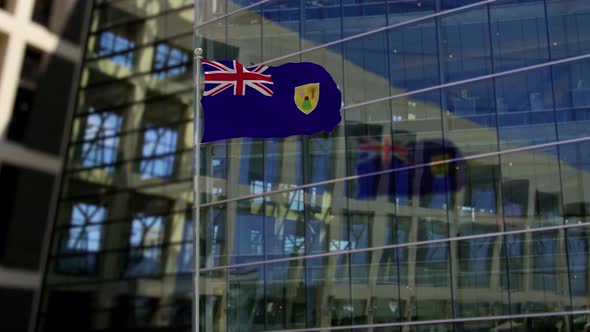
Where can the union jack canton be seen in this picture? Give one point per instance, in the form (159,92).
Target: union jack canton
(237,76)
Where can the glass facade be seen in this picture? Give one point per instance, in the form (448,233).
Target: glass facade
(453,196)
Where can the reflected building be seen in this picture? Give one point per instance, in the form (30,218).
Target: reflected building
(472,113)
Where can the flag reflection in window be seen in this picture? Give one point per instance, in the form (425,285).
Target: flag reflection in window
(100,143)
(82,241)
(145,240)
(158,147)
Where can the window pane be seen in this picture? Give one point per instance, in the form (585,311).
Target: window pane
(158,146)
(525,109)
(478,272)
(413,53)
(405,10)
(145,240)
(519,33)
(531,187)
(466,48)
(101,144)
(572,98)
(567,21)
(471,117)
(83,240)
(280,28)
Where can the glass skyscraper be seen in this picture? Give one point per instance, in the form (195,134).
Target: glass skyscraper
(453,196)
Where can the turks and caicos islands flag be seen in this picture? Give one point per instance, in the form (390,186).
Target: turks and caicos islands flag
(425,180)
(268,102)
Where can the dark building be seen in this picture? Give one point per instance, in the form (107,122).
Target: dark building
(40,56)
(476,110)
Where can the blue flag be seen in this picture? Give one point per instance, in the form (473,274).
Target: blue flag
(375,156)
(268,102)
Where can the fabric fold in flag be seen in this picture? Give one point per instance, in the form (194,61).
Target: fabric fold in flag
(268,102)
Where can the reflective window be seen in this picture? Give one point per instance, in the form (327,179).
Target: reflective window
(158,145)
(442,115)
(567,19)
(322,22)
(572,98)
(83,240)
(170,61)
(577,242)
(404,10)
(518,34)
(466,47)
(100,143)
(145,240)
(110,43)
(413,56)
(525,101)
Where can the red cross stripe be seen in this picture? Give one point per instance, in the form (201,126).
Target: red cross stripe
(237,77)
(386,149)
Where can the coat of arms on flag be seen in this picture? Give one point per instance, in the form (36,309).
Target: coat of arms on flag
(268,102)
(307,96)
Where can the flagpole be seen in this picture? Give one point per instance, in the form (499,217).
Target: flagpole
(196,190)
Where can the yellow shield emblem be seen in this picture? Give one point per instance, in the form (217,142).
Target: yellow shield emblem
(439,170)
(307,96)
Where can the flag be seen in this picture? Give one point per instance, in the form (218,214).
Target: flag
(268,102)
(377,155)
(443,177)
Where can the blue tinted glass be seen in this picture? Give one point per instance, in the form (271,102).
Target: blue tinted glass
(83,239)
(450,4)
(322,21)
(414,57)
(111,43)
(146,237)
(404,10)
(365,71)
(361,16)
(572,98)
(86,237)
(158,148)
(280,28)
(465,46)
(519,34)
(249,240)
(525,108)
(569,21)
(100,143)
(169,61)
(185,255)
(578,267)
(471,114)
